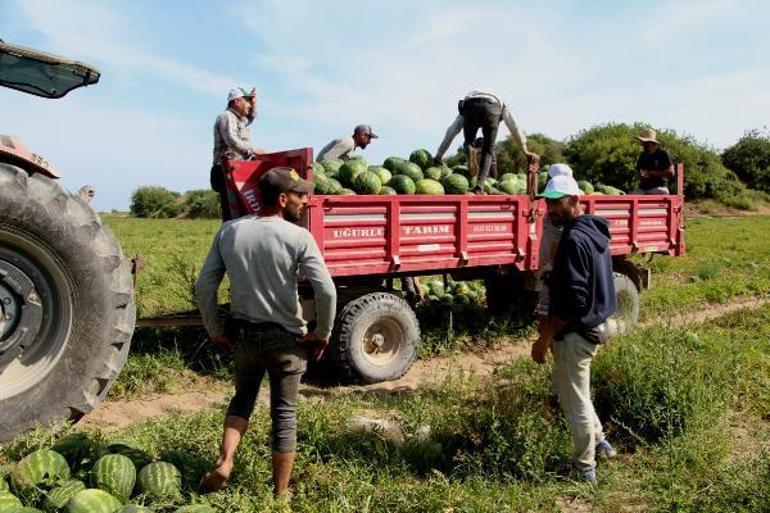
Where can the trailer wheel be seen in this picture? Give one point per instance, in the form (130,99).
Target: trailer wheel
(376,338)
(626,316)
(66,304)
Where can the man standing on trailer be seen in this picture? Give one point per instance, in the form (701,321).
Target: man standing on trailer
(342,148)
(264,256)
(582,297)
(482,110)
(653,168)
(232,139)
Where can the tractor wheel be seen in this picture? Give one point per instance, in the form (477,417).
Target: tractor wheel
(66,304)
(626,316)
(376,338)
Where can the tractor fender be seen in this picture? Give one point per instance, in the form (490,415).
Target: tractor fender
(13,152)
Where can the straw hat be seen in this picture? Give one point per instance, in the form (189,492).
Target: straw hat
(648,135)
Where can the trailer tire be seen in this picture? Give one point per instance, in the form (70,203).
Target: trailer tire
(68,292)
(627,315)
(376,338)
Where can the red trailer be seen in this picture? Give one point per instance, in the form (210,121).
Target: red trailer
(367,241)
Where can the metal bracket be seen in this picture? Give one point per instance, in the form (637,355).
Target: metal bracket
(395,261)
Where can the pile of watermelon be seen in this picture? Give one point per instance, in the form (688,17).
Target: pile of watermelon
(586,187)
(80,475)
(457,294)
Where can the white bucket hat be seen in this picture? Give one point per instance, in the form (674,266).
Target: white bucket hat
(560,186)
(559,170)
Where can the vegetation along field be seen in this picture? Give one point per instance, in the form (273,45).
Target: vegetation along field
(686,399)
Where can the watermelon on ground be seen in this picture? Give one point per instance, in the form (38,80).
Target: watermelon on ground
(447,299)
(25,509)
(411,170)
(92,500)
(195,508)
(585,186)
(9,502)
(455,184)
(332,166)
(367,183)
(402,184)
(60,496)
(387,191)
(434,173)
(115,474)
(191,468)
(134,453)
(349,170)
(422,158)
(80,451)
(160,480)
(42,468)
(428,186)
(391,163)
(133,508)
(382,172)
(3,485)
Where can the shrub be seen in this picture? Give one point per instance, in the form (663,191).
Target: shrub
(511,159)
(155,202)
(202,203)
(749,158)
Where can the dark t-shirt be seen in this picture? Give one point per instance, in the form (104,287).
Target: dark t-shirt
(657,160)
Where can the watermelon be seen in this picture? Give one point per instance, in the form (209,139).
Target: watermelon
(434,173)
(191,468)
(350,170)
(428,186)
(609,190)
(346,192)
(135,454)
(391,163)
(455,184)
(508,176)
(513,187)
(8,502)
(318,169)
(462,299)
(195,508)
(92,500)
(402,184)
(42,468)
(446,171)
(360,158)
(462,169)
(3,485)
(447,299)
(381,172)
(321,184)
(367,183)
(435,287)
(411,170)
(160,480)
(387,191)
(60,496)
(585,186)
(334,186)
(25,509)
(462,288)
(332,166)
(422,158)
(116,474)
(133,508)
(79,450)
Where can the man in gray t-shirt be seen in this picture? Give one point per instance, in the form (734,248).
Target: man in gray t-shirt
(265,257)
(342,148)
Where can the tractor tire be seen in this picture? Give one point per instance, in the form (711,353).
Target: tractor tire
(376,338)
(67,312)
(627,315)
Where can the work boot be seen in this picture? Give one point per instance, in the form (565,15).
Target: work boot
(586,475)
(605,450)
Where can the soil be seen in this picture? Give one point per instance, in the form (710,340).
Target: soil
(210,393)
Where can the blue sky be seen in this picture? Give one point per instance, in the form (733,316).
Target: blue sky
(321,67)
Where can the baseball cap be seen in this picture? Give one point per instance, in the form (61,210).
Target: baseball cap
(239,92)
(365,129)
(559,170)
(560,186)
(285,179)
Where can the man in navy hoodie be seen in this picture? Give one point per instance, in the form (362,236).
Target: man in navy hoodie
(582,297)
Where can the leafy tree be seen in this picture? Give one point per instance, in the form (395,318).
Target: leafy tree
(155,202)
(749,158)
(202,203)
(511,159)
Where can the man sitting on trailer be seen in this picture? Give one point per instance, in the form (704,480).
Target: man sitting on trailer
(263,256)
(342,148)
(653,168)
(581,298)
(481,110)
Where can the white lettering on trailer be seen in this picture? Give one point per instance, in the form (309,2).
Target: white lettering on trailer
(424,248)
(426,230)
(251,198)
(489,228)
(357,233)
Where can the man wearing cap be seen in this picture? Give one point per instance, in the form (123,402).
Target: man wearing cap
(653,168)
(482,110)
(264,257)
(582,297)
(342,147)
(232,139)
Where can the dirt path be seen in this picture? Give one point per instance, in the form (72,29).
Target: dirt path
(211,393)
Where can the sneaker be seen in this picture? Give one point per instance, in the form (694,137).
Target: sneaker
(605,450)
(587,475)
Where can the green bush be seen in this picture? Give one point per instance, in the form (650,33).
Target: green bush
(511,159)
(202,203)
(155,202)
(749,158)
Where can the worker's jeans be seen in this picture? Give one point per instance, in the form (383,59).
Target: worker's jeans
(484,114)
(572,381)
(269,348)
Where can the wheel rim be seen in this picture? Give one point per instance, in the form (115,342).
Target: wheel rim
(36,312)
(382,342)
